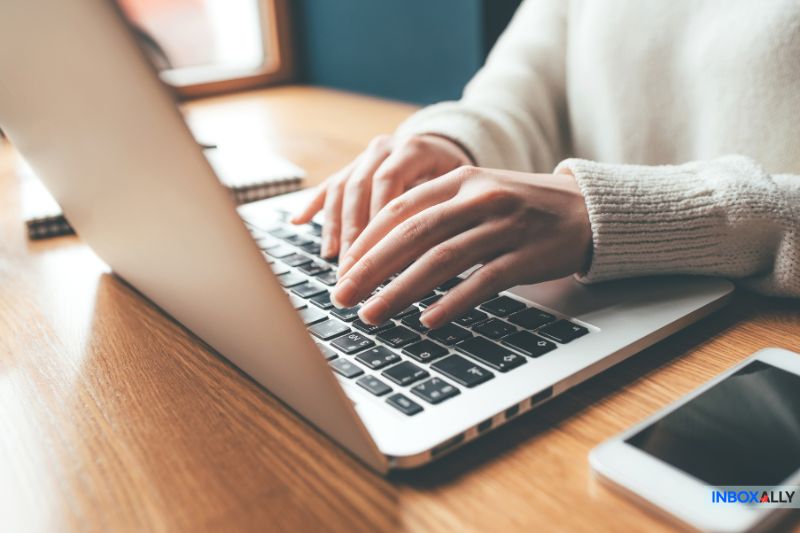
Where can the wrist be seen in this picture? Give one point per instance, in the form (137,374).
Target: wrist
(459,149)
(586,236)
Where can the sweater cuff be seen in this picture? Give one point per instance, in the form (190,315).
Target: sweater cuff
(651,220)
(452,120)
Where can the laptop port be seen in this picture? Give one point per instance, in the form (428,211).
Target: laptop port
(485,425)
(446,445)
(541,396)
(511,412)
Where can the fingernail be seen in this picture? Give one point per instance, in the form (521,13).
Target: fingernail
(344,265)
(432,317)
(374,310)
(343,293)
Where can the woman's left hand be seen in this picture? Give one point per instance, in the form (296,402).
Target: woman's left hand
(523,228)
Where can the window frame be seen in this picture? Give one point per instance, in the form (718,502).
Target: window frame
(278,66)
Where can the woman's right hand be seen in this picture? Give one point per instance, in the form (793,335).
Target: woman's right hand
(386,169)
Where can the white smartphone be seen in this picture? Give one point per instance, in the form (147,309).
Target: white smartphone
(724,458)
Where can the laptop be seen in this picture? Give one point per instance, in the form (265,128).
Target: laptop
(80,102)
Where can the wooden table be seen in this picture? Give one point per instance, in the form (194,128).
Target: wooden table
(112,417)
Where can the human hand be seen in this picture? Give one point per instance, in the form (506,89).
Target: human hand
(524,228)
(385,170)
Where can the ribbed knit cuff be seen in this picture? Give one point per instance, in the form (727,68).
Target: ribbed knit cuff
(452,120)
(649,220)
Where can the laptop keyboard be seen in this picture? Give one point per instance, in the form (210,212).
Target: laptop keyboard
(401,361)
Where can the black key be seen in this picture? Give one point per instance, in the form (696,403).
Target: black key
(563,331)
(297,303)
(529,344)
(267,243)
(315,228)
(328,329)
(311,315)
(425,351)
(323,301)
(404,405)
(298,240)
(296,260)
(345,368)
(326,352)
(462,371)
(313,268)
(398,336)
(502,306)
(291,279)
(264,247)
(280,232)
(308,289)
(435,390)
(429,300)
(494,328)
(490,353)
(327,278)
(407,311)
(471,318)
(279,251)
(348,314)
(531,318)
(449,334)
(449,284)
(405,373)
(413,322)
(278,269)
(378,357)
(369,328)
(312,248)
(374,385)
(352,343)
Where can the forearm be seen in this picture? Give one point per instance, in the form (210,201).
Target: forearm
(724,217)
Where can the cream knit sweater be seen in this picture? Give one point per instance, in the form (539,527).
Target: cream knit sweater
(680,119)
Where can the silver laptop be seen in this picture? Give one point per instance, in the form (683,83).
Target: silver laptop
(90,115)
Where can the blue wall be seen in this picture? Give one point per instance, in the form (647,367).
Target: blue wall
(419,51)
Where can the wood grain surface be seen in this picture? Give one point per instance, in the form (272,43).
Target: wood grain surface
(114,418)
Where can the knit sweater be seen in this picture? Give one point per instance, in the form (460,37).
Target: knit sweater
(679,119)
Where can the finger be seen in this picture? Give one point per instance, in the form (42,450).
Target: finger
(355,205)
(405,243)
(317,201)
(332,225)
(442,262)
(313,206)
(398,210)
(403,167)
(485,282)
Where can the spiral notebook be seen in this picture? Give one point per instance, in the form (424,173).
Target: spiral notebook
(249,174)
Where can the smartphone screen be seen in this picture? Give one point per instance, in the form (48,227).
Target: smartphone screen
(744,430)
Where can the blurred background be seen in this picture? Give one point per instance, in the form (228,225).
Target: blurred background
(418,51)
